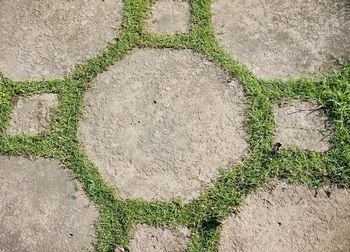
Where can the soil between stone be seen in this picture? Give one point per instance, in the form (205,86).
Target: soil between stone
(301,124)
(290,218)
(150,239)
(42,208)
(160,123)
(31,114)
(284,39)
(46,39)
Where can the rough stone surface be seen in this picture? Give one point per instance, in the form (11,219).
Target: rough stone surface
(290,219)
(160,123)
(302,124)
(284,39)
(169,17)
(150,239)
(42,209)
(32,114)
(45,39)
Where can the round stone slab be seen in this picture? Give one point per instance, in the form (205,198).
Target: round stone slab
(161,122)
(284,39)
(290,218)
(42,208)
(150,239)
(45,39)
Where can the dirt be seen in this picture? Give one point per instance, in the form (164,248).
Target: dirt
(284,39)
(150,239)
(42,208)
(160,123)
(290,218)
(46,39)
(169,17)
(302,124)
(32,114)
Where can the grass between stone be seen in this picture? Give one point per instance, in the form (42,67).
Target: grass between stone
(260,168)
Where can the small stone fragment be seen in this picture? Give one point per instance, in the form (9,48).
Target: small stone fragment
(301,124)
(151,239)
(169,17)
(119,249)
(32,114)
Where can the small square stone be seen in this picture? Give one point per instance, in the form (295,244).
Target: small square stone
(31,114)
(151,239)
(169,17)
(301,124)
(161,123)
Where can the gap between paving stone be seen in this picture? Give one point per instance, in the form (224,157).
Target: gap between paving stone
(333,60)
(42,208)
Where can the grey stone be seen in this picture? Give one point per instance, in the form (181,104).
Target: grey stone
(42,208)
(32,114)
(46,39)
(284,39)
(169,17)
(160,123)
(150,239)
(290,218)
(301,124)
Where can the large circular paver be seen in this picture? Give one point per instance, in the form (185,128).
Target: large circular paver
(160,123)
(42,208)
(291,218)
(284,39)
(45,39)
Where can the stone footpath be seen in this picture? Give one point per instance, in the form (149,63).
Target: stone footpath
(161,122)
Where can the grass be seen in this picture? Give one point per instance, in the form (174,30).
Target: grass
(204,214)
